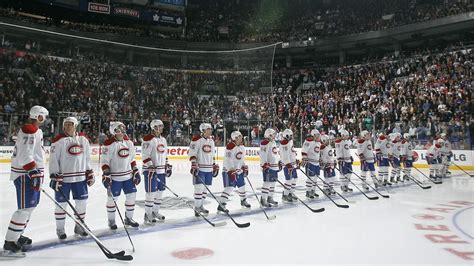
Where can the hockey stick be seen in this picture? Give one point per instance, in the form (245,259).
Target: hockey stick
(119,255)
(385,196)
(109,191)
(239,225)
(337,204)
(418,182)
(260,204)
(304,203)
(202,216)
(471,175)
(326,183)
(429,178)
(367,196)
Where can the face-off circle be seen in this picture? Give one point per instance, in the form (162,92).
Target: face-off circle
(192,253)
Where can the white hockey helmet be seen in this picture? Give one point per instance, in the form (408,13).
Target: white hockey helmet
(156,123)
(287,134)
(37,110)
(443,135)
(325,138)
(269,133)
(315,133)
(205,126)
(71,119)
(344,133)
(114,126)
(406,136)
(364,133)
(439,143)
(235,134)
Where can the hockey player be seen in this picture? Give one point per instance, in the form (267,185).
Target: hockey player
(366,156)
(382,150)
(203,166)
(120,172)
(407,157)
(27,169)
(234,171)
(310,161)
(270,163)
(70,172)
(394,157)
(155,171)
(288,158)
(328,163)
(344,158)
(446,155)
(433,158)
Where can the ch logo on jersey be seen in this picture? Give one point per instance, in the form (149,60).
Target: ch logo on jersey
(387,145)
(206,148)
(346,146)
(75,149)
(123,152)
(316,149)
(275,150)
(399,148)
(330,153)
(160,148)
(239,155)
(369,147)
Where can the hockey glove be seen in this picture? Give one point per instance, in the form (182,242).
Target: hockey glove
(56,181)
(266,167)
(136,178)
(90,179)
(168,170)
(215,170)
(280,165)
(232,175)
(194,169)
(106,179)
(245,170)
(303,162)
(36,177)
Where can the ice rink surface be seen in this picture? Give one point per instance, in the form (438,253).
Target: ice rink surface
(413,226)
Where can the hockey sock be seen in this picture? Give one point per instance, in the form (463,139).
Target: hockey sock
(265,190)
(197,196)
(157,201)
(293,185)
(226,194)
(287,187)
(130,204)
(242,192)
(18,224)
(272,189)
(111,208)
(60,216)
(149,200)
(81,208)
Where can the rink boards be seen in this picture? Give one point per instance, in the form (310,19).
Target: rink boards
(463,158)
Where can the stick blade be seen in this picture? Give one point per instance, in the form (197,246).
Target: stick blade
(219,224)
(318,210)
(273,217)
(243,225)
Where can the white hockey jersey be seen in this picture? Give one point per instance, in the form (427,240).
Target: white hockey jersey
(396,149)
(155,150)
(71,157)
(407,149)
(343,150)
(269,153)
(365,150)
(327,155)
(287,152)
(119,158)
(234,157)
(311,151)
(433,152)
(445,149)
(28,152)
(201,151)
(382,146)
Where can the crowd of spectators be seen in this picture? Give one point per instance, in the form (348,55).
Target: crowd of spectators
(421,94)
(270,21)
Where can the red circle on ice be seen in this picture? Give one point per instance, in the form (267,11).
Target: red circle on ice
(192,253)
